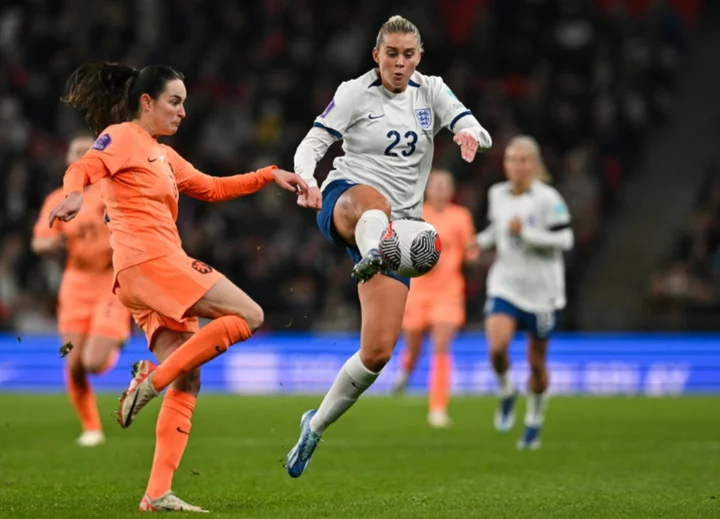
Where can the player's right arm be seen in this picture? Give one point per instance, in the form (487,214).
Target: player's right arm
(327,129)
(110,153)
(46,239)
(207,188)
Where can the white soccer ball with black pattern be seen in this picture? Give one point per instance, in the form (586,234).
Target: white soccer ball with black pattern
(410,247)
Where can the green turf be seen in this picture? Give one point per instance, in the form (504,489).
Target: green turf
(601,457)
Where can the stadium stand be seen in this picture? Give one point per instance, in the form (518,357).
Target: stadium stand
(588,79)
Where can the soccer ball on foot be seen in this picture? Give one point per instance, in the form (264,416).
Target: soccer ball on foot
(410,247)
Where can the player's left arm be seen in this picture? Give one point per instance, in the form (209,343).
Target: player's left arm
(453,115)
(207,188)
(555,230)
(46,239)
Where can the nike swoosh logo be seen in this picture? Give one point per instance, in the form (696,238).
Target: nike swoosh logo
(373,117)
(152,160)
(354,384)
(181,431)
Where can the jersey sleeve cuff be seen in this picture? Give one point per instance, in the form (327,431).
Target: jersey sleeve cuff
(266,174)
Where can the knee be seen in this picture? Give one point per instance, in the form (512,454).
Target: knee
(383,204)
(94,365)
(441,348)
(498,349)
(254,317)
(498,343)
(188,383)
(376,358)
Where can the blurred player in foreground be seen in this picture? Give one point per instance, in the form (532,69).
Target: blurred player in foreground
(164,289)
(90,317)
(530,229)
(436,302)
(387,119)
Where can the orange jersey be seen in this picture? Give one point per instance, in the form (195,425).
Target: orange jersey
(456,229)
(88,238)
(141,180)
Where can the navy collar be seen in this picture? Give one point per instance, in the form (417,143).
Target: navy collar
(378,82)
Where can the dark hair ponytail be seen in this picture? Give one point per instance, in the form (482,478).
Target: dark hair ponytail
(109,93)
(100,89)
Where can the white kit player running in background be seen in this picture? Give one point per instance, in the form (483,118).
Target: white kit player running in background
(387,119)
(530,229)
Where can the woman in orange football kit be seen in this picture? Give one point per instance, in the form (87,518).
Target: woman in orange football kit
(164,289)
(436,301)
(90,317)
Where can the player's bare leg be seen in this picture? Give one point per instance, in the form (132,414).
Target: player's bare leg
(172,431)
(235,317)
(360,216)
(80,392)
(413,346)
(91,355)
(440,371)
(382,302)
(100,354)
(537,393)
(500,329)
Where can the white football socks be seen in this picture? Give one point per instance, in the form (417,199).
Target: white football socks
(505,383)
(352,380)
(369,230)
(536,405)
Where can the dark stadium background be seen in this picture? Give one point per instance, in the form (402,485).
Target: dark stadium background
(601,84)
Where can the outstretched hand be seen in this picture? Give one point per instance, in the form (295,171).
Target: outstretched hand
(515,226)
(472,251)
(67,209)
(311,199)
(468,145)
(289,181)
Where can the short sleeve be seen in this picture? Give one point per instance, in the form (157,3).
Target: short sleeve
(41,228)
(557,215)
(113,147)
(448,108)
(339,113)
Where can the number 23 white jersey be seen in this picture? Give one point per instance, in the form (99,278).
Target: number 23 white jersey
(388,138)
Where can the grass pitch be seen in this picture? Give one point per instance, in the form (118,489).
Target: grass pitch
(601,458)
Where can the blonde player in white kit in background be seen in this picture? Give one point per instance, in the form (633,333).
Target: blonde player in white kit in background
(530,229)
(387,119)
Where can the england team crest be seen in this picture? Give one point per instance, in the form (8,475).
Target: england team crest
(424,117)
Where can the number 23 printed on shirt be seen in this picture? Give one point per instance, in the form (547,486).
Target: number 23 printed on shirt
(411,137)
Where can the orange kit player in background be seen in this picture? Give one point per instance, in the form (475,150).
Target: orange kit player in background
(90,317)
(436,302)
(165,290)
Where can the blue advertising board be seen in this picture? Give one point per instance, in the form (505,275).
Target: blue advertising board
(651,364)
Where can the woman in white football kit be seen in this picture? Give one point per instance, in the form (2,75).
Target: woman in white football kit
(530,229)
(387,119)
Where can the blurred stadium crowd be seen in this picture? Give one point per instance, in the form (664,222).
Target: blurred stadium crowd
(685,290)
(589,79)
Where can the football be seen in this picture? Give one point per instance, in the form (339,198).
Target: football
(410,247)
